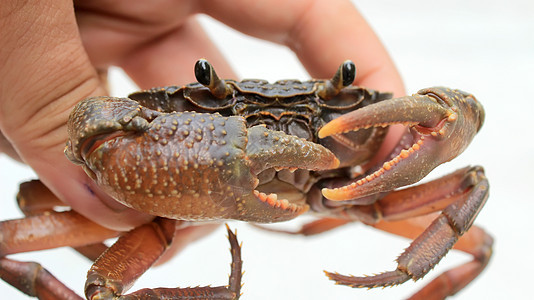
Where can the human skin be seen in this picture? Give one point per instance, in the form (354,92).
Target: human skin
(55,53)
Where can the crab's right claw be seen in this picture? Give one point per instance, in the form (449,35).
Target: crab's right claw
(442,122)
(275,149)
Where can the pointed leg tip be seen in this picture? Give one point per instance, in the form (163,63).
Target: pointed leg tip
(232,235)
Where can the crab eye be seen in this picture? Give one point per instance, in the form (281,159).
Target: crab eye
(349,72)
(206,75)
(345,75)
(203,72)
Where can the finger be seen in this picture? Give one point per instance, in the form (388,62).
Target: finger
(7,148)
(169,59)
(72,185)
(110,29)
(49,73)
(156,43)
(321,33)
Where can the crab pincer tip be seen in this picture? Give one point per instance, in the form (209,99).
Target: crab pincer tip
(329,129)
(338,194)
(335,163)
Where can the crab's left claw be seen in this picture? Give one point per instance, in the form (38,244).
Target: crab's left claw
(442,122)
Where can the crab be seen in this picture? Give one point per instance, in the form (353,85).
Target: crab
(261,152)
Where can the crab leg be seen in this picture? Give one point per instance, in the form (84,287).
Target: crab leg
(33,280)
(118,268)
(35,198)
(418,200)
(441,122)
(57,229)
(435,241)
(475,242)
(44,231)
(52,230)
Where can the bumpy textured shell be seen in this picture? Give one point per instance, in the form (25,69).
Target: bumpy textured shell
(291,106)
(181,152)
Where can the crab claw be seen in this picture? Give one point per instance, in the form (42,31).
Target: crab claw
(275,149)
(268,148)
(187,165)
(441,123)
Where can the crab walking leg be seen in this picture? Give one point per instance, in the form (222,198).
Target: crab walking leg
(475,242)
(35,198)
(33,280)
(133,253)
(231,291)
(423,199)
(46,231)
(53,230)
(435,241)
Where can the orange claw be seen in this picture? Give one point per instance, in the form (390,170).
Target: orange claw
(441,122)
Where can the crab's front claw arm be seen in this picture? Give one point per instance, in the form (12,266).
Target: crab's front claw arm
(186,165)
(441,123)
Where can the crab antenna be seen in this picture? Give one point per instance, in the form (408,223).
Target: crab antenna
(344,77)
(205,74)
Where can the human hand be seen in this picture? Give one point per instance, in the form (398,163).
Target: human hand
(52,56)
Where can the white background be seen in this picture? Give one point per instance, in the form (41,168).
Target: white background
(484,47)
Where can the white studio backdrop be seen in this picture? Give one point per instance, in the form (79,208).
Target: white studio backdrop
(483,47)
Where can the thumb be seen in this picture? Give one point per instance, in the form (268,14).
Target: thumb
(45,72)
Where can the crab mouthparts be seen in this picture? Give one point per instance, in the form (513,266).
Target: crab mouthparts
(415,155)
